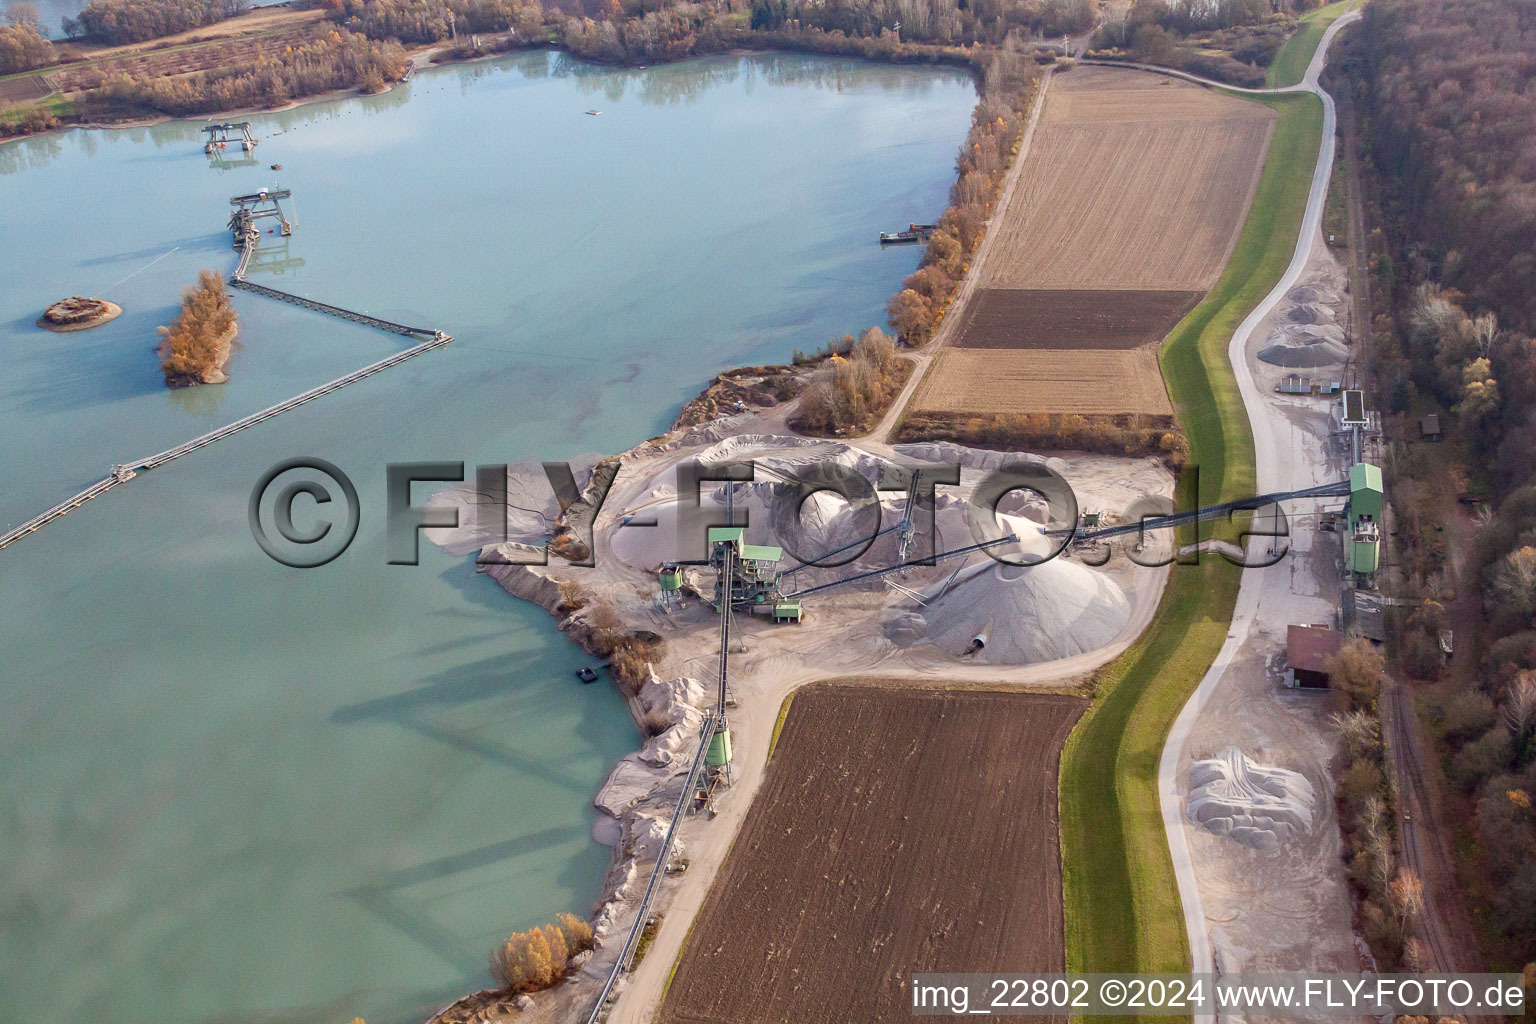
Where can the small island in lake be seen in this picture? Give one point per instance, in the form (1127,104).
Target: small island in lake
(78,313)
(199,341)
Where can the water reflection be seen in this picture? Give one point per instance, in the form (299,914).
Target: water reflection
(204,400)
(663,85)
(274,257)
(25,154)
(220,161)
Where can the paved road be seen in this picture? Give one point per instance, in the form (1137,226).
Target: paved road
(1271,476)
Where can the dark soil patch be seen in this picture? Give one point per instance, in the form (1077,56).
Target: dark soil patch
(23,89)
(1066,319)
(898,831)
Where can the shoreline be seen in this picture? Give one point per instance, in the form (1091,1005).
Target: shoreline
(640,791)
(110,312)
(423,59)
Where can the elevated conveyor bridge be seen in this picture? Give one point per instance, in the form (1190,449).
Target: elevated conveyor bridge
(243,226)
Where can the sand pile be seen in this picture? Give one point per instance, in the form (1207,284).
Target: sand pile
(1308,333)
(1023,614)
(1305,345)
(1257,805)
(824,523)
(1309,313)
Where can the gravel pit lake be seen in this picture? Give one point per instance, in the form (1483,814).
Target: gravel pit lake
(240,792)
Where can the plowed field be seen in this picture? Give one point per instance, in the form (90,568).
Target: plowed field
(1098,381)
(1027,318)
(1135,181)
(1133,196)
(898,831)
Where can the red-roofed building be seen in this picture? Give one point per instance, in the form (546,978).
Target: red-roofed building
(1308,650)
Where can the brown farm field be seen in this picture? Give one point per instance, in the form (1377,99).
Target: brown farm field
(898,830)
(24,88)
(1136,180)
(1099,381)
(1131,201)
(1071,318)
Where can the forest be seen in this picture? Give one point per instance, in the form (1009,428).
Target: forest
(1447,125)
(133,21)
(429,21)
(1226,40)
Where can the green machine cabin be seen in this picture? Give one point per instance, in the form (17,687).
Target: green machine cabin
(1362,548)
(754,572)
(670,578)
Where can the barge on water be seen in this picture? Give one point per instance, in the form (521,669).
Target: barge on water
(914,233)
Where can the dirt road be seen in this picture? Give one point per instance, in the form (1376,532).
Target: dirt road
(953,319)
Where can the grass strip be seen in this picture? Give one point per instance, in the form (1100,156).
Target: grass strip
(1290,64)
(1121,899)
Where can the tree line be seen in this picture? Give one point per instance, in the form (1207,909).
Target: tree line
(133,21)
(337,59)
(945,22)
(997,126)
(431,21)
(1445,92)
(1227,40)
(1123,434)
(1389,896)
(632,29)
(22,48)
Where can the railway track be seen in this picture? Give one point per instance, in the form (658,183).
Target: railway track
(1402,748)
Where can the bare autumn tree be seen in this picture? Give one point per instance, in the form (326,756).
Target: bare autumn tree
(197,341)
(23,13)
(1406,894)
(1355,674)
(1358,730)
(1519,711)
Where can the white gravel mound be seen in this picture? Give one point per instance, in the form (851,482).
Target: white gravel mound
(1257,805)
(1305,345)
(1024,614)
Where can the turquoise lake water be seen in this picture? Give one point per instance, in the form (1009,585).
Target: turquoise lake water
(238,792)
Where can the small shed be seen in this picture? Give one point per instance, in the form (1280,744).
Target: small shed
(1429,427)
(1307,652)
(1295,384)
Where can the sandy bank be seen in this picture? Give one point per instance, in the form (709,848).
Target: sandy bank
(78,313)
